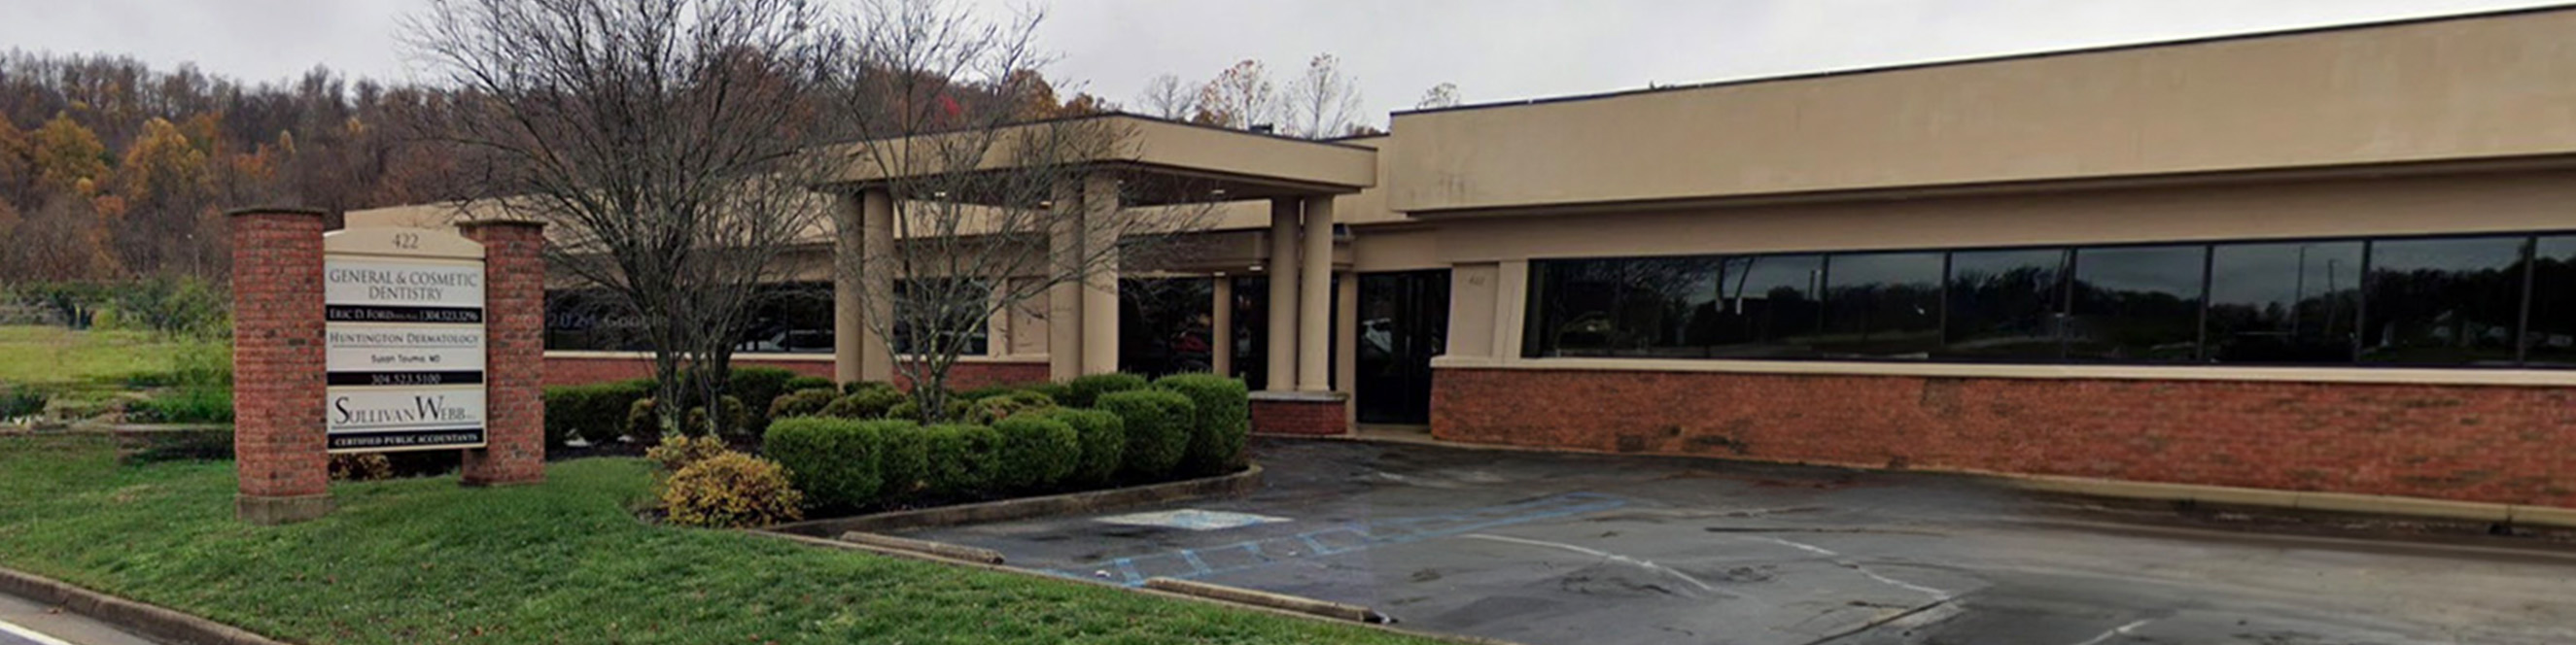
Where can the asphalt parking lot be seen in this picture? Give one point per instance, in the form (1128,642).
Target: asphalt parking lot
(1547,548)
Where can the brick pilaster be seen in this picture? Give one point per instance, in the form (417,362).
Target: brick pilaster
(514,372)
(278,427)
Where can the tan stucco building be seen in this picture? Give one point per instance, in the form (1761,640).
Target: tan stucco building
(2333,260)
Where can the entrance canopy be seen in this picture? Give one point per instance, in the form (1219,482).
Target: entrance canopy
(1160,162)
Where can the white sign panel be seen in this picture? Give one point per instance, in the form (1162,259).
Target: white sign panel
(364,354)
(404,418)
(405,345)
(393,291)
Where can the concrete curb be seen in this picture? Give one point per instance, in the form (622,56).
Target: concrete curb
(941,549)
(996,568)
(2383,505)
(1299,604)
(1238,483)
(153,621)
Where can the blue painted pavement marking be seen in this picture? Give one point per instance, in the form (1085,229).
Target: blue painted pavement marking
(1344,538)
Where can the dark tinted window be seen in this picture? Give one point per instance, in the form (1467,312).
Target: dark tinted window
(956,307)
(2004,304)
(2136,303)
(1769,306)
(1165,325)
(1653,307)
(1882,305)
(2289,302)
(589,320)
(2551,340)
(2444,301)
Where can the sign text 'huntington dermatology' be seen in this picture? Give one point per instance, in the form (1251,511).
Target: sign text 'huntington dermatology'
(405,346)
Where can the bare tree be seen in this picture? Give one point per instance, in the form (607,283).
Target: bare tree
(661,142)
(981,199)
(1323,102)
(1242,97)
(1439,96)
(1167,97)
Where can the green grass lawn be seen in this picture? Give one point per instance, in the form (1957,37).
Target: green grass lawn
(424,560)
(46,355)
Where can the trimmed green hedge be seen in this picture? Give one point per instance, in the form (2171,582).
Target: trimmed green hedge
(802,403)
(1158,430)
(1036,452)
(962,459)
(1221,420)
(758,384)
(803,383)
(870,403)
(904,463)
(595,412)
(1103,439)
(838,463)
(1085,391)
(1008,404)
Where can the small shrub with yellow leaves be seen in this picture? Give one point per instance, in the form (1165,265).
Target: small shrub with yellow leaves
(361,468)
(678,452)
(731,490)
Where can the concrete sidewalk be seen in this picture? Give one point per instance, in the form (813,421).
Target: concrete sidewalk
(1549,548)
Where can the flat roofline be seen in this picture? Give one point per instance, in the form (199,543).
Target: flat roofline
(1334,141)
(2000,58)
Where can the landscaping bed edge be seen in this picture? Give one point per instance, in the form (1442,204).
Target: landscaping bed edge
(1236,483)
(149,620)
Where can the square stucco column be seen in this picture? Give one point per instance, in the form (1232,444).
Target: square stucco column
(514,294)
(279,445)
(876,223)
(1315,298)
(1100,283)
(1064,299)
(1282,353)
(848,258)
(1221,325)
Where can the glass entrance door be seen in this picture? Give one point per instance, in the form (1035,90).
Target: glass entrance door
(1403,322)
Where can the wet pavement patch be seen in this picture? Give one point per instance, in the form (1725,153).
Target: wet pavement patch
(1542,548)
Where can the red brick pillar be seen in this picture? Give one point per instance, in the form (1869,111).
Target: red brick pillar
(514,371)
(278,450)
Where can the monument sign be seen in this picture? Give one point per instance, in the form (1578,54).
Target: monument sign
(403,329)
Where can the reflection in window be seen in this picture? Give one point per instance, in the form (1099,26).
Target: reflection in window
(2004,304)
(1769,306)
(590,320)
(1882,305)
(957,309)
(2290,302)
(2551,340)
(1251,332)
(2136,303)
(2444,301)
(794,317)
(1165,325)
(1654,307)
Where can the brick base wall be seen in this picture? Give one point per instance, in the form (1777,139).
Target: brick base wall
(572,370)
(2469,443)
(1300,416)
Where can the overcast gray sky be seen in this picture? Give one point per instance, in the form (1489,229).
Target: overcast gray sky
(1495,50)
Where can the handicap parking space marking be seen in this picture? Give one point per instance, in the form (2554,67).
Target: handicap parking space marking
(1343,538)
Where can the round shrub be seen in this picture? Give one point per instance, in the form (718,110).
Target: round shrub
(986,392)
(868,403)
(361,468)
(1003,406)
(855,387)
(1058,392)
(731,490)
(1158,430)
(758,383)
(803,383)
(643,421)
(836,462)
(1220,420)
(737,417)
(1084,391)
(911,409)
(802,403)
(1036,452)
(1102,437)
(903,463)
(961,458)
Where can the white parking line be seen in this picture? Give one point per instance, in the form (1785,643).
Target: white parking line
(1837,558)
(39,638)
(1644,564)
(2115,632)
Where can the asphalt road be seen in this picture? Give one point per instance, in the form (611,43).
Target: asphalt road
(28,623)
(1544,549)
